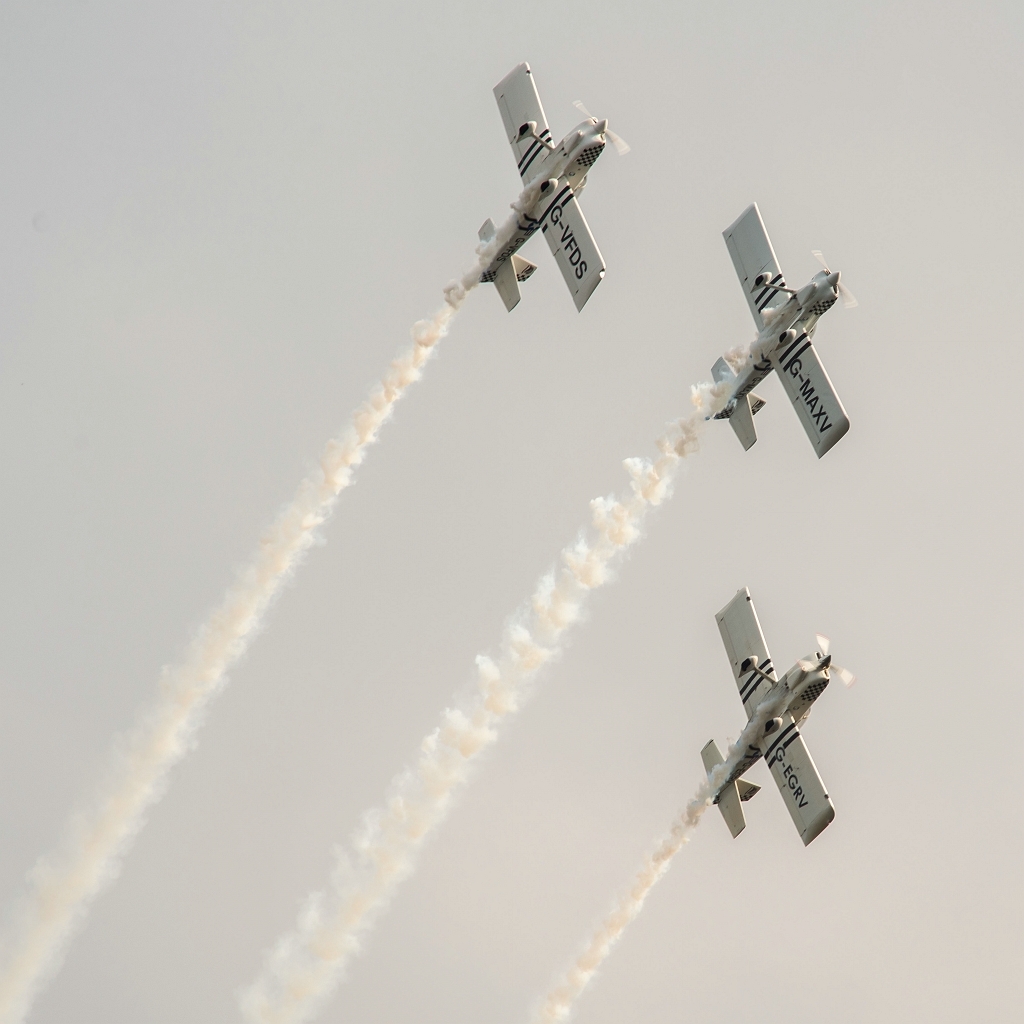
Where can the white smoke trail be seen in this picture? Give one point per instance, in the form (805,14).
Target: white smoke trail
(560,1000)
(305,965)
(64,883)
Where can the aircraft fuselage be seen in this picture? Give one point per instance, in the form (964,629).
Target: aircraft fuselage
(558,173)
(571,159)
(788,327)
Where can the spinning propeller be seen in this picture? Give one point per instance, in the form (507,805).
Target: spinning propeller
(620,144)
(848,298)
(824,643)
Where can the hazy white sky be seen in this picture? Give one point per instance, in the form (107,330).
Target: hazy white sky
(218,224)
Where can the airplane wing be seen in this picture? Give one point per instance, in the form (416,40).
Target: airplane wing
(519,102)
(742,636)
(574,249)
(752,254)
(799,782)
(811,392)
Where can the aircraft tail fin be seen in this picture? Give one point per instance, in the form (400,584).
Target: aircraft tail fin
(728,798)
(523,268)
(747,790)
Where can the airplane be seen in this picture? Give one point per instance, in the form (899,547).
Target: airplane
(780,742)
(562,175)
(784,338)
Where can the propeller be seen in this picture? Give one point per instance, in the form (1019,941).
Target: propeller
(620,144)
(849,300)
(845,674)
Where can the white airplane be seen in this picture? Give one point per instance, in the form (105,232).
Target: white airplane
(780,744)
(562,173)
(784,338)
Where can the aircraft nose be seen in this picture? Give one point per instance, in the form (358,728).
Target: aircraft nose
(602,126)
(833,280)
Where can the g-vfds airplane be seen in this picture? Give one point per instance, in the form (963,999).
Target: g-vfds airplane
(562,173)
(786,320)
(780,744)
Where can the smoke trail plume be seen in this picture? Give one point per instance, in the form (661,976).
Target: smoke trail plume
(305,966)
(63,883)
(559,1002)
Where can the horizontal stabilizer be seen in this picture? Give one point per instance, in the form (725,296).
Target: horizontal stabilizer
(507,282)
(486,232)
(728,798)
(742,420)
(720,371)
(711,756)
(732,810)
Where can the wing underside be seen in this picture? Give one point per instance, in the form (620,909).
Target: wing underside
(810,390)
(519,103)
(752,254)
(544,212)
(799,782)
(743,639)
(575,251)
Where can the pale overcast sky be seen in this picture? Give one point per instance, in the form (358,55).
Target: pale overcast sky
(219,222)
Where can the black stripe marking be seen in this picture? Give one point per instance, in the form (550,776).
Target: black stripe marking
(747,690)
(795,736)
(774,291)
(785,732)
(533,146)
(799,353)
(554,202)
(544,137)
(530,161)
(766,667)
(764,291)
(785,354)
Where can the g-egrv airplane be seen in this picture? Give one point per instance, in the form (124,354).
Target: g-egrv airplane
(784,339)
(781,744)
(562,173)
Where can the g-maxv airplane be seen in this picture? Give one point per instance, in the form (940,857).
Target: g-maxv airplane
(781,744)
(562,173)
(784,339)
